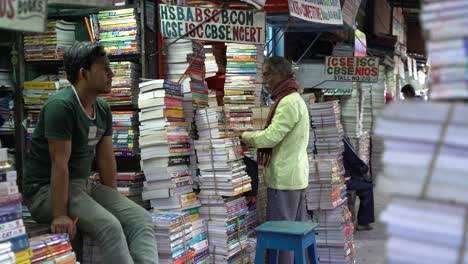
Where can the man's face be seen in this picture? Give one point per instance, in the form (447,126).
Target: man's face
(271,80)
(99,77)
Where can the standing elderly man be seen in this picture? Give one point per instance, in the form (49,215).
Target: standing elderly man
(282,146)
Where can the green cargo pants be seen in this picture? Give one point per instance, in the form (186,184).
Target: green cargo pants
(123,229)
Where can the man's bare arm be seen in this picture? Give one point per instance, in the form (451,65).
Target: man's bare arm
(106,162)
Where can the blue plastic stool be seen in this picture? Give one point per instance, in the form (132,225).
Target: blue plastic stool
(286,235)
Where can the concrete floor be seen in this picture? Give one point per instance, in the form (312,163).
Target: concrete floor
(370,245)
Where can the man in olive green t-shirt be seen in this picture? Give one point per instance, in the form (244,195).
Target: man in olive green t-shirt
(74,128)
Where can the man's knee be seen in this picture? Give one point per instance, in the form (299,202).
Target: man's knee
(109,226)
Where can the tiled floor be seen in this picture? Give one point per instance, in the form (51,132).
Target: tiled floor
(370,245)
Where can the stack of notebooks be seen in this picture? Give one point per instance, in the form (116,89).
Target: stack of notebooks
(326,138)
(200,242)
(415,233)
(447,48)
(130,185)
(352,114)
(164,146)
(124,84)
(227,232)
(173,232)
(222,170)
(327,189)
(5,78)
(6,111)
(52,249)
(50,45)
(14,245)
(118,31)
(335,236)
(125,133)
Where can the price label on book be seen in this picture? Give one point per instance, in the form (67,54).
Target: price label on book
(352,69)
(238,26)
(23,15)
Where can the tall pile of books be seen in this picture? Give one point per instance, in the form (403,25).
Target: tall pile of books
(446,48)
(352,114)
(327,131)
(211,66)
(118,31)
(200,241)
(173,232)
(424,156)
(37,91)
(165,151)
(125,133)
(50,45)
(175,62)
(14,245)
(374,99)
(6,111)
(197,74)
(124,84)
(52,249)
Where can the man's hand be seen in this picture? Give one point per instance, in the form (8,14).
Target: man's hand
(63,224)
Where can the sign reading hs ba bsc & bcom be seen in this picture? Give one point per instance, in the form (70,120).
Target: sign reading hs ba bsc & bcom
(352,69)
(239,26)
(23,15)
(318,11)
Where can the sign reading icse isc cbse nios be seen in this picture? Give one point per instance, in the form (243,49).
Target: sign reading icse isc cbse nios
(240,26)
(352,69)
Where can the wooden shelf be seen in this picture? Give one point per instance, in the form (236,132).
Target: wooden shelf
(7,133)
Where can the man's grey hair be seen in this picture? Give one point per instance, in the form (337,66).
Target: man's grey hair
(280,65)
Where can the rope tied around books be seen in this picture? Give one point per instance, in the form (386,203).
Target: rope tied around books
(238,231)
(211,150)
(184,239)
(436,152)
(182,77)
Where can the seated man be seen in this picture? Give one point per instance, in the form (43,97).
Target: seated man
(356,172)
(75,126)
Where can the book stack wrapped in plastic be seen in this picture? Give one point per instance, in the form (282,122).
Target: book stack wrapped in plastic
(52,248)
(227,230)
(164,146)
(326,138)
(124,90)
(14,245)
(175,62)
(125,133)
(51,45)
(173,232)
(118,31)
(335,236)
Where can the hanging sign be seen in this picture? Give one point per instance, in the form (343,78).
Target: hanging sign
(352,69)
(318,11)
(239,26)
(350,10)
(23,15)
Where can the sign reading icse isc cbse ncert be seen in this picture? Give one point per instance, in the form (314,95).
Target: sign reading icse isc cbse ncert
(240,26)
(352,69)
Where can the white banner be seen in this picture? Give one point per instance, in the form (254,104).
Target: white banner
(239,26)
(352,69)
(23,16)
(318,11)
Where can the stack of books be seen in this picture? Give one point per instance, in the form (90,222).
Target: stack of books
(352,114)
(125,133)
(374,99)
(124,84)
(173,232)
(176,66)
(197,74)
(446,48)
(211,123)
(335,236)
(37,91)
(14,245)
(210,62)
(200,242)
(164,146)
(327,131)
(327,189)
(50,45)
(118,31)
(390,81)
(227,232)
(6,112)
(5,78)
(52,249)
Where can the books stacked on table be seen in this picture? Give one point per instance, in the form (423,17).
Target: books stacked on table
(446,48)
(118,31)
(124,84)
(54,248)
(352,113)
(200,242)
(164,146)
(227,232)
(327,189)
(411,239)
(125,133)
(51,45)
(335,236)
(6,112)
(14,245)
(5,78)
(173,232)
(326,138)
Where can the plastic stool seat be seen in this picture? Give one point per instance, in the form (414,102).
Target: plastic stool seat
(286,235)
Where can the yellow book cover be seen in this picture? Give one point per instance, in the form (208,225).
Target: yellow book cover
(24,255)
(41,85)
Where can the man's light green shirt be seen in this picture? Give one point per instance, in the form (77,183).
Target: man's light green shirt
(288,136)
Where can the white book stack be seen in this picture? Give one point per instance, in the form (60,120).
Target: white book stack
(352,114)
(175,61)
(210,62)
